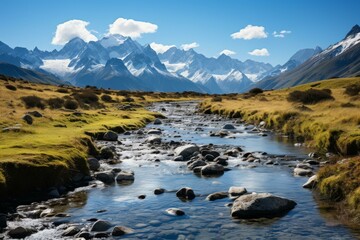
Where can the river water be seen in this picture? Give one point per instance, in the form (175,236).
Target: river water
(154,168)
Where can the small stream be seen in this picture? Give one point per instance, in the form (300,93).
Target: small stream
(154,167)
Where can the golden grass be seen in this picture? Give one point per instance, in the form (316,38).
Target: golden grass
(327,126)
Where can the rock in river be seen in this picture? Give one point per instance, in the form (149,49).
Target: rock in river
(93,163)
(125,176)
(106,177)
(175,211)
(217,195)
(311,182)
(100,226)
(212,169)
(185,193)
(157,122)
(302,172)
(20,232)
(187,150)
(121,230)
(110,136)
(106,152)
(70,231)
(228,126)
(237,191)
(196,163)
(260,205)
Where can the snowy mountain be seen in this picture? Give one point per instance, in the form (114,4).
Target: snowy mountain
(338,60)
(218,75)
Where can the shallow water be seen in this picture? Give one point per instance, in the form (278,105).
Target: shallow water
(204,219)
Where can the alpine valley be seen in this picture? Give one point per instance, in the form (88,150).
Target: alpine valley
(122,63)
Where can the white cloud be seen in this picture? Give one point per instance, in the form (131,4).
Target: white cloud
(260,52)
(131,28)
(160,48)
(189,46)
(227,52)
(250,32)
(71,29)
(281,34)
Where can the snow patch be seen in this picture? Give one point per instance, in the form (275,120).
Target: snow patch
(174,67)
(252,76)
(232,75)
(112,40)
(344,45)
(58,67)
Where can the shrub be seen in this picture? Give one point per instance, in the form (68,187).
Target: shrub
(345,105)
(86,96)
(310,96)
(10,87)
(106,98)
(62,90)
(55,103)
(71,104)
(33,101)
(128,99)
(256,91)
(353,89)
(216,99)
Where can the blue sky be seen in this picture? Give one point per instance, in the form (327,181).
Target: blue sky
(209,23)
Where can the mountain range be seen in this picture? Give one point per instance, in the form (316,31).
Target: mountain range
(119,62)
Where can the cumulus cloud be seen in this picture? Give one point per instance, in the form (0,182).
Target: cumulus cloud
(281,34)
(71,29)
(189,46)
(227,52)
(131,28)
(250,32)
(160,48)
(260,52)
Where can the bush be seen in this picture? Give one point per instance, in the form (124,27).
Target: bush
(106,98)
(256,91)
(55,103)
(62,90)
(10,87)
(353,89)
(216,99)
(128,99)
(33,101)
(86,96)
(310,96)
(71,104)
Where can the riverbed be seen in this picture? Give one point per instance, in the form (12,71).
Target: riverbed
(154,167)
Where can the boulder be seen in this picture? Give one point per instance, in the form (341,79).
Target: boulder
(100,226)
(185,193)
(47,212)
(121,230)
(157,122)
(196,163)
(106,177)
(212,169)
(175,211)
(217,195)
(159,191)
(20,232)
(110,136)
(70,231)
(209,157)
(215,154)
(228,126)
(153,140)
(311,182)
(186,151)
(28,119)
(101,235)
(106,152)
(84,235)
(221,160)
(260,205)
(237,191)
(302,172)
(154,131)
(303,166)
(93,163)
(125,176)
(179,159)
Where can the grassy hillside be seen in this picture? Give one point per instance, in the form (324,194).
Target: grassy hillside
(328,125)
(55,147)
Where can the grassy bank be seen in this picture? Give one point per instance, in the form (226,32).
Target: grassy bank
(328,125)
(331,125)
(55,146)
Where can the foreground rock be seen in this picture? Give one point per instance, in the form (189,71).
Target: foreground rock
(28,119)
(212,169)
(186,151)
(237,191)
(106,177)
(71,231)
(110,136)
(100,226)
(228,126)
(185,193)
(175,211)
(311,182)
(121,230)
(302,172)
(93,163)
(261,205)
(125,176)
(157,122)
(20,232)
(216,196)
